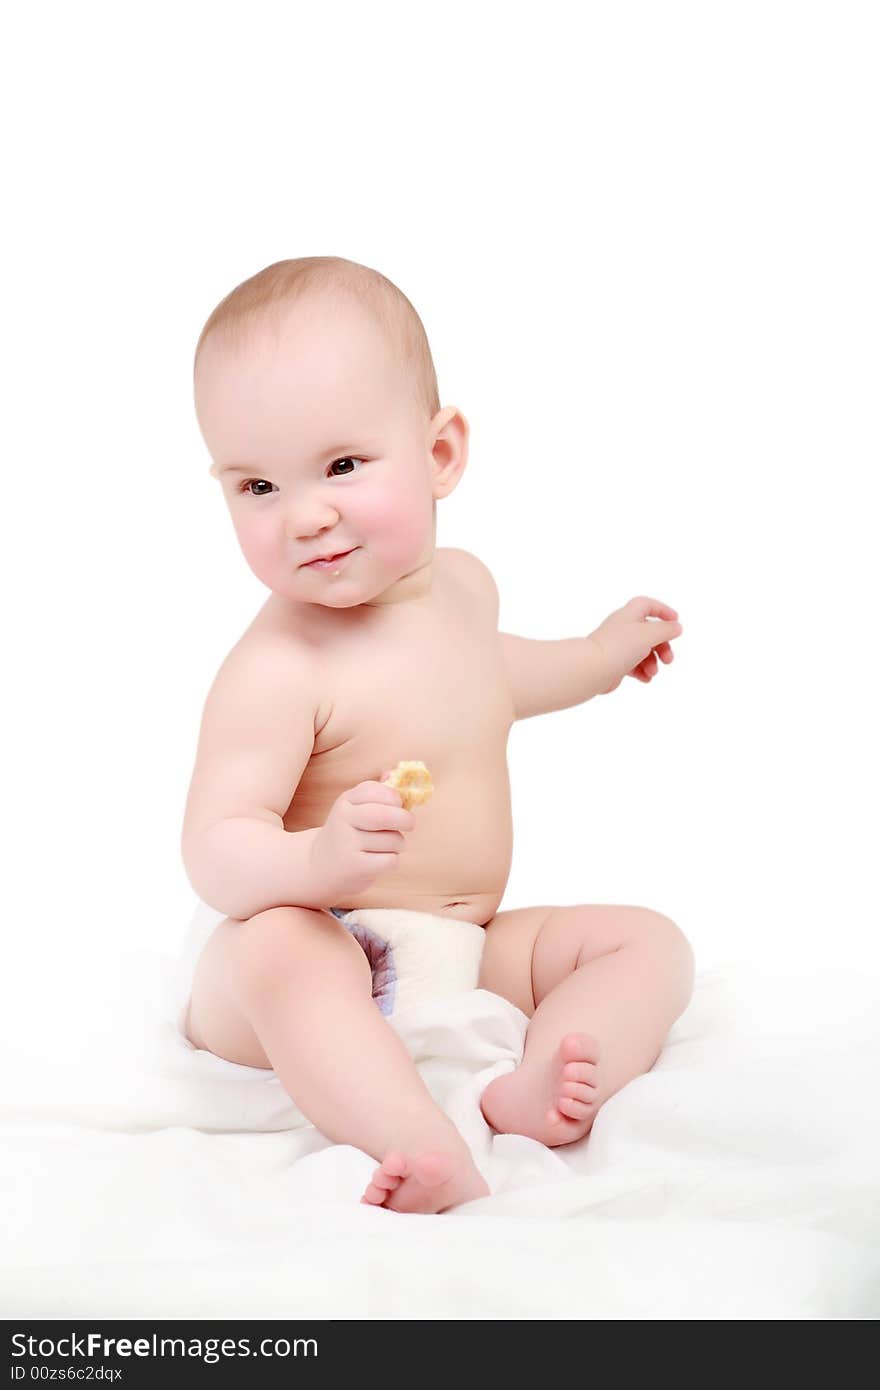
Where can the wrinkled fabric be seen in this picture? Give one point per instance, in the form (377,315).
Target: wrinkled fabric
(738,1179)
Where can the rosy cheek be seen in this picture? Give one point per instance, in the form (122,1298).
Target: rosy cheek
(257,546)
(394,524)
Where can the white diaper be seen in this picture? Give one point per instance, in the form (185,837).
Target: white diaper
(414,956)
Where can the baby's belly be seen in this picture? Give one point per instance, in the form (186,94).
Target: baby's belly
(456,861)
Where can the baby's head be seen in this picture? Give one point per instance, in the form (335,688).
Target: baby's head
(316,396)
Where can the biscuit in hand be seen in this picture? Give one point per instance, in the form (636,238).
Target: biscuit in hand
(413,781)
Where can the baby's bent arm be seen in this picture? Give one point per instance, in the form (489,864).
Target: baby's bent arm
(243,865)
(256,738)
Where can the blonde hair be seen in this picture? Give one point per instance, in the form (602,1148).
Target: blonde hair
(266,295)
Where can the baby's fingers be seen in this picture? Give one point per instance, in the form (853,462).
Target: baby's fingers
(660,634)
(643,607)
(376,792)
(647,668)
(381,816)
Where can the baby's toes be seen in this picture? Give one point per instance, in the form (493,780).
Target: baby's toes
(384,1182)
(374,1195)
(579,1047)
(576,1100)
(574,1109)
(395,1165)
(387,1181)
(577,1090)
(580,1071)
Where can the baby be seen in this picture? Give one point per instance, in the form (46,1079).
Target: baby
(317,399)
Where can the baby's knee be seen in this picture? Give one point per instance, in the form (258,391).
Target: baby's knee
(679,952)
(285,942)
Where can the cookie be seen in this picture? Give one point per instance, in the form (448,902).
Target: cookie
(413,781)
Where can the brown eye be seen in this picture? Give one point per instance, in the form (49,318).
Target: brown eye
(349,458)
(255,482)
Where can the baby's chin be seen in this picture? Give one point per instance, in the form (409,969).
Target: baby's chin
(325,601)
(349,591)
(336,594)
(333,601)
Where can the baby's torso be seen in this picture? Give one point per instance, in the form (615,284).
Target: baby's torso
(427,683)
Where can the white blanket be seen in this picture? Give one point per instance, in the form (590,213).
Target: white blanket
(738,1179)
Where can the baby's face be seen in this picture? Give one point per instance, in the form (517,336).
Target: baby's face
(320,449)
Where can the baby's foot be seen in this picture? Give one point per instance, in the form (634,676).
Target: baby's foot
(426,1182)
(554,1101)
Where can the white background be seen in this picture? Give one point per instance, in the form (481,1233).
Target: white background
(643,241)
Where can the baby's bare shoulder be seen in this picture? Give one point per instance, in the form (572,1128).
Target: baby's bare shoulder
(476,576)
(265,664)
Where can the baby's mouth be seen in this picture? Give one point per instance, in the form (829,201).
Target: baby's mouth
(331,560)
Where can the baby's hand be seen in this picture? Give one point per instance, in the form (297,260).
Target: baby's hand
(626,640)
(361,839)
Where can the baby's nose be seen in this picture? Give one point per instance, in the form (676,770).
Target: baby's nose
(308,533)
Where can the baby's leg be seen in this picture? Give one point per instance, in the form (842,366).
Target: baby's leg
(603,985)
(291,989)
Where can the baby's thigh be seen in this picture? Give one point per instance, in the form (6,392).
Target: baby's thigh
(506,964)
(241,962)
(214,1022)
